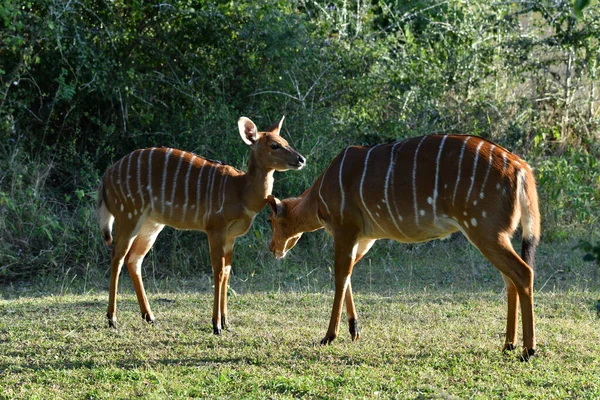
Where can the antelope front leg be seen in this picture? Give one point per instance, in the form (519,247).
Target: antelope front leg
(217,259)
(345,252)
(118,255)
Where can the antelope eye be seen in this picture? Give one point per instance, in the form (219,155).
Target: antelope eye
(274,146)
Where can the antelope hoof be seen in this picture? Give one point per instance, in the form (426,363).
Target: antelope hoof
(527,354)
(149,318)
(508,347)
(216,329)
(328,339)
(354,331)
(224,322)
(112,321)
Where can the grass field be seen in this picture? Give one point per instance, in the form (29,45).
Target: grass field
(431,318)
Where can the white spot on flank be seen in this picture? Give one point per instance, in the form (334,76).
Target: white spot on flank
(122,207)
(135,212)
(473,222)
(484,214)
(422,212)
(498,186)
(475,202)
(129,215)
(465,213)
(377,214)
(430,200)
(378,207)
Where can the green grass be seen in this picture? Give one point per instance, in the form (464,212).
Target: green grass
(427,331)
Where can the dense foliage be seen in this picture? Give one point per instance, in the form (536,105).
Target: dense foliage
(85,82)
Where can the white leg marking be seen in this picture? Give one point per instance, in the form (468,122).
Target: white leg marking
(362,181)
(342,194)
(387,181)
(487,173)
(474,170)
(198,187)
(175,184)
(164,181)
(437,172)
(462,152)
(187,187)
(222,190)
(414,181)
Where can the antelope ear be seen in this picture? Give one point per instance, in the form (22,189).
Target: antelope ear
(276,206)
(248,131)
(279,124)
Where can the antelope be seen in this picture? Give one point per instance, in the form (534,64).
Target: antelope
(150,188)
(418,190)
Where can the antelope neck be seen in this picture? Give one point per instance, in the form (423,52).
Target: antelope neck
(259,184)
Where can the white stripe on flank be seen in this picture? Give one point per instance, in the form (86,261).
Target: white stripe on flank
(198,187)
(505,164)
(222,190)
(187,187)
(387,181)
(474,171)
(414,181)
(164,182)
(437,172)
(362,181)
(150,178)
(127,176)
(487,173)
(321,196)
(462,152)
(210,185)
(120,180)
(139,177)
(175,184)
(342,194)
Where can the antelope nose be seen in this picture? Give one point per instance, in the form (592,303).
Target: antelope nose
(301,160)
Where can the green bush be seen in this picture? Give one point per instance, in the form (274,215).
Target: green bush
(84,83)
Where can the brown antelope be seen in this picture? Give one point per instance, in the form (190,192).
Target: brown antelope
(150,188)
(417,190)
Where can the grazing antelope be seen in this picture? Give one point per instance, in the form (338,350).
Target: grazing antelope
(417,190)
(150,188)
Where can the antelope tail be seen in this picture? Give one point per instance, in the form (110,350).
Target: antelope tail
(105,218)
(530,216)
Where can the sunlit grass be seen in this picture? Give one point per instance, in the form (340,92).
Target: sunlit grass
(431,319)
